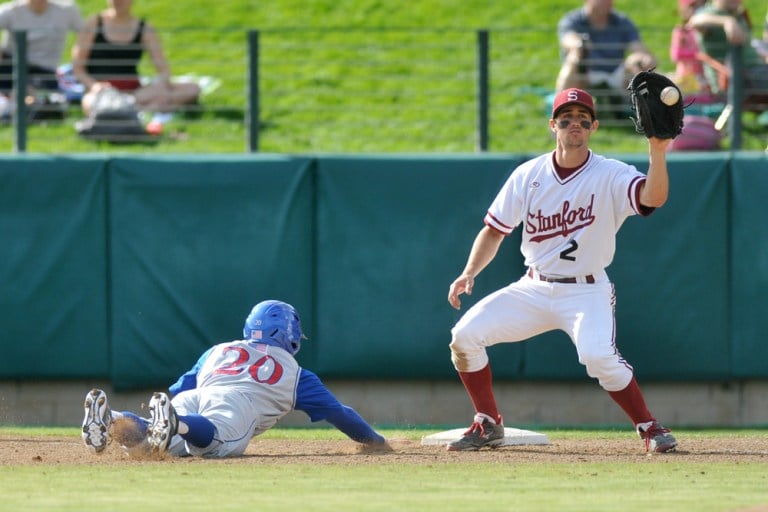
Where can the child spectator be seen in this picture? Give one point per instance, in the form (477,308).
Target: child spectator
(722,24)
(684,51)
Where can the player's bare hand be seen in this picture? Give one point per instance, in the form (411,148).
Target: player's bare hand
(462,284)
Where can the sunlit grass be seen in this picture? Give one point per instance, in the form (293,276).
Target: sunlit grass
(370,76)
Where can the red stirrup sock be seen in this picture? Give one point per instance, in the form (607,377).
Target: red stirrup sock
(631,400)
(479,387)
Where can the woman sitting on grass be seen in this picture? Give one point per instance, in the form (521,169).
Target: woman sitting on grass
(107,54)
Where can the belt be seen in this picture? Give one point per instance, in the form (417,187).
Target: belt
(590,279)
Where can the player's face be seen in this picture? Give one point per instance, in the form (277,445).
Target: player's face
(573,125)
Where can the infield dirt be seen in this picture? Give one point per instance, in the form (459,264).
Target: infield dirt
(27,450)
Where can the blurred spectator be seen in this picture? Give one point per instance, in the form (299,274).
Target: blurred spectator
(108,52)
(46,23)
(762,44)
(600,48)
(720,24)
(765,28)
(684,51)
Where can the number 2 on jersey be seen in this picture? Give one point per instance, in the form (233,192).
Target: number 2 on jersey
(565,254)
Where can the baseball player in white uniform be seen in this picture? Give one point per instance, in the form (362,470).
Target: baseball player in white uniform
(235,391)
(569,204)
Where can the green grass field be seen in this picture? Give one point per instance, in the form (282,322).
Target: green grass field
(399,481)
(370,76)
(385,487)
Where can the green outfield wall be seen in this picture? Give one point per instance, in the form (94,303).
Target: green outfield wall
(128,268)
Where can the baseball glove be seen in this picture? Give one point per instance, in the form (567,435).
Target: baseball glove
(653,118)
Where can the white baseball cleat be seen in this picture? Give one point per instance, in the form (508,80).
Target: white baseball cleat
(97,422)
(163,423)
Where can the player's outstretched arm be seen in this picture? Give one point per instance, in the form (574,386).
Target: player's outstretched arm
(319,403)
(656,188)
(351,423)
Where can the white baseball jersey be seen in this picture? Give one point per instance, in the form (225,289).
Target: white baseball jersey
(244,388)
(568,225)
(253,368)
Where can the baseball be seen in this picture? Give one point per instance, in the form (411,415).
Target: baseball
(669,95)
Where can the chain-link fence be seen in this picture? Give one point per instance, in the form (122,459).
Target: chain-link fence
(299,90)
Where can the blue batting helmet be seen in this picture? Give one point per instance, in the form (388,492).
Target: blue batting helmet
(277,321)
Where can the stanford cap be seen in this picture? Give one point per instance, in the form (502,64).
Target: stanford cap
(573,96)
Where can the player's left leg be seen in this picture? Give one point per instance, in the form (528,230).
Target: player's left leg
(589,317)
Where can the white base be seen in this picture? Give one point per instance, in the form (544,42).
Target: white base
(512,436)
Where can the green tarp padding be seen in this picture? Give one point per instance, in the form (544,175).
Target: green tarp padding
(195,242)
(128,268)
(53,296)
(748,269)
(393,233)
(671,278)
